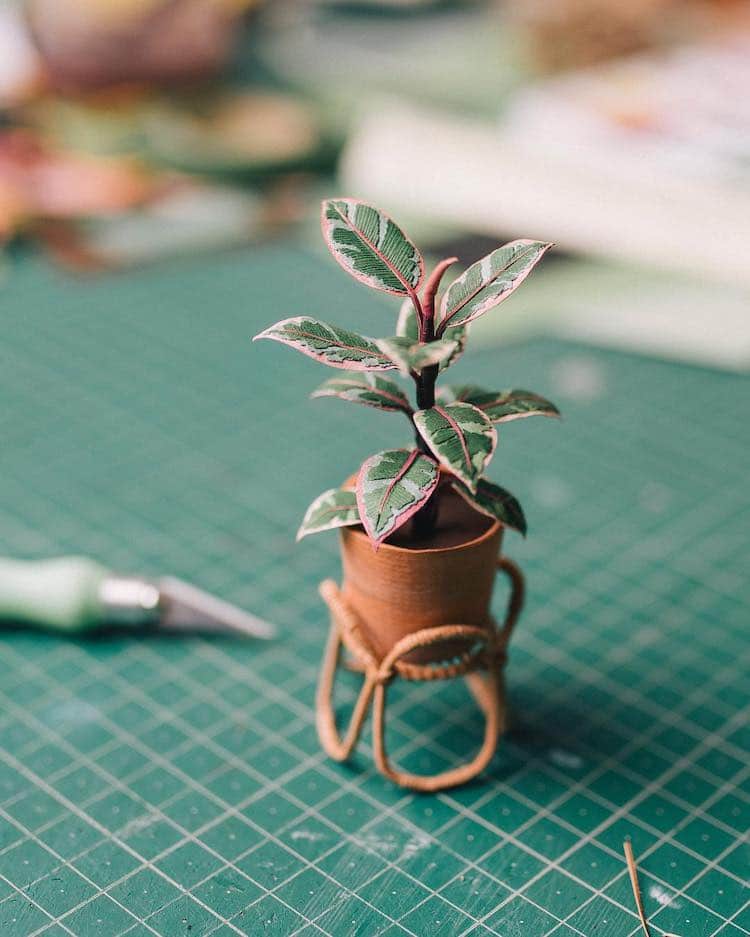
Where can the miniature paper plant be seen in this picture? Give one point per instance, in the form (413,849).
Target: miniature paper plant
(455,426)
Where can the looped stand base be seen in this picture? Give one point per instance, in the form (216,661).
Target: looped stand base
(481,661)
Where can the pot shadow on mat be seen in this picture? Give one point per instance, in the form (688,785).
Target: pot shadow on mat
(564,731)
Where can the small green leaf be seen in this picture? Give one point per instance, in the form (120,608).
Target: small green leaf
(500,406)
(489,281)
(411,356)
(407,325)
(329,344)
(336,507)
(495,502)
(391,487)
(371,247)
(461,437)
(368,389)
(459,335)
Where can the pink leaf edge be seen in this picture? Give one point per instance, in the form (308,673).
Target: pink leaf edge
(411,290)
(341,365)
(407,515)
(444,320)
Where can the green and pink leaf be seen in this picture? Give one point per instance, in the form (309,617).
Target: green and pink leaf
(489,281)
(329,344)
(371,247)
(460,336)
(407,324)
(336,507)
(410,356)
(391,487)
(500,406)
(368,389)
(495,502)
(461,438)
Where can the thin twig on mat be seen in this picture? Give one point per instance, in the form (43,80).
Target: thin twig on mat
(633,873)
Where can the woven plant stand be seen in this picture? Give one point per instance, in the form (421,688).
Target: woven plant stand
(477,652)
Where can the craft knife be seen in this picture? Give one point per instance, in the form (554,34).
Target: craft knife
(77,595)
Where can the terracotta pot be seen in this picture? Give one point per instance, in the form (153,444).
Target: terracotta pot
(399,589)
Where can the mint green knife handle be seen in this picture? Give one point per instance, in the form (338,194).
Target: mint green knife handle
(59,595)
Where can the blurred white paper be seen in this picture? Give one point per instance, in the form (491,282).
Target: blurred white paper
(645,162)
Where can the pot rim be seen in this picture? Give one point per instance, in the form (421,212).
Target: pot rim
(359,532)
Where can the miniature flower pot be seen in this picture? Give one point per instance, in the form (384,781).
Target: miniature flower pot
(398,590)
(421,526)
(420,611)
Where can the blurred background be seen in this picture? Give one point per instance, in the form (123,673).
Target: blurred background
(137,130)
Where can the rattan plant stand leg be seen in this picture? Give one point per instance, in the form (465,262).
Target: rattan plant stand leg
(482,663)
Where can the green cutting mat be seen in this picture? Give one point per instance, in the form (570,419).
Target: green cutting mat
(174,786)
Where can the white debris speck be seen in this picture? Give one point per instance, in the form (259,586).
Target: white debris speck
(391,847)
(663,897)
(306,835)
(563,759)
(137,824)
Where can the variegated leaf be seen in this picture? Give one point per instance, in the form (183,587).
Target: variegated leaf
(489,281)
(411,356)
(329,344)
(461,437)
(500,406)
(408,327)
(391,487)
(495,502)
(368,389)
(459,335)
(336,507)
(370,246)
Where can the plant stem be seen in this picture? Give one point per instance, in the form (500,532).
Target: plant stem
(425,399)
(425,381)
(426,519)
